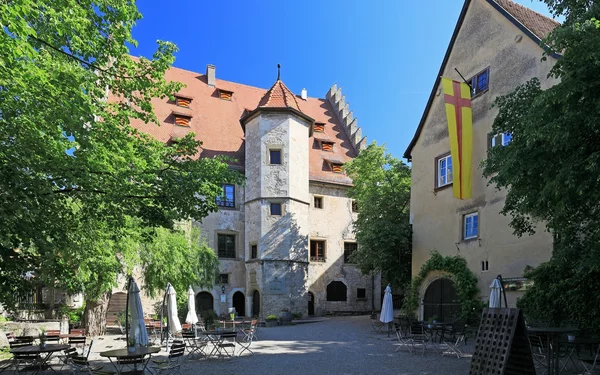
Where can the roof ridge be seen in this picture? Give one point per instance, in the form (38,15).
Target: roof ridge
(531,10)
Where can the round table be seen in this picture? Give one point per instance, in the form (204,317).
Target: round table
(48,350)
(141,351)
(552,334)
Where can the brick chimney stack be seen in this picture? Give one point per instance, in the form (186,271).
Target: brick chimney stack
(210,75)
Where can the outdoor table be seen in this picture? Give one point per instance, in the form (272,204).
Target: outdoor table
(552,334)
(214,337)
(47,350)
(576,344)
(141,351)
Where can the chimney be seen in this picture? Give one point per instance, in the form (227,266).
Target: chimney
(210,75)
(304,94)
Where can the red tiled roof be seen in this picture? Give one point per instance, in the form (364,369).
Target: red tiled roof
(216,122)
(537,23)
(279,96)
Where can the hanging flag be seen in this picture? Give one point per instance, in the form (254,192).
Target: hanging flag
(459,115)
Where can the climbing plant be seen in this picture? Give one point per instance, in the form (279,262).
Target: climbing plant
(464,280)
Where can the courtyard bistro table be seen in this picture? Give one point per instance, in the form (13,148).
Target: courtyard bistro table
(141,351)
(552,334)
(214,337)
(48,350)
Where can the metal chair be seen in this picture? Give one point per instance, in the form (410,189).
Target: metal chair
(67,355)
(248,334)
(79,365)
(228,340)
(78,342)
(194,345)
(457,337)
(172,365)
(539,351)
(376,323)
(403,338)
(418,336)
(29,361)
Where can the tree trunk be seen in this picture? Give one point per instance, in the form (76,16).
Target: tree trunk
(94,317)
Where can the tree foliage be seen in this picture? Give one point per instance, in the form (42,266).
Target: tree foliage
(80,188)
(551,167)
(382,191)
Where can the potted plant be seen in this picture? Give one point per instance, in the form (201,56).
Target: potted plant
(43,337)
(430,323)
(285,317)
(271,320)
(131,345)
(435,319)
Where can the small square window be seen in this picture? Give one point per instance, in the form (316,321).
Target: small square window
(361,293)
(502,139)
(226,245)
(354,206)
(253,251)
(471,226)
(224,278)
(337,167)
(485,266)
(183,102)
(276,209)
(227,199)
(317,250)
(319,127)
(275,156)
(349,248)
(443,170)
(480,82)
(318,202)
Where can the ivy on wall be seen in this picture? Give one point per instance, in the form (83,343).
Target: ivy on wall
(465,282)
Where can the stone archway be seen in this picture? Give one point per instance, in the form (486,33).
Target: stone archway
(256,303)
(239,303)
(204,302)
(441,300)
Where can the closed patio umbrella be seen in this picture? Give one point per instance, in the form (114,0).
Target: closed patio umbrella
(191,317)
(387,309)
(495,294)
(137,327)
(172,319)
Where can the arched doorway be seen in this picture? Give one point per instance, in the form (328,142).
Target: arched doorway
(311,304)
(204,302)
(239,303)
(337,291)
(441,301)
(255,303)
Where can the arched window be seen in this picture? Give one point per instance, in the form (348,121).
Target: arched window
(336,291)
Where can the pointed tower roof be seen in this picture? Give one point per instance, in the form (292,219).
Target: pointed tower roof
(277,99)
(279,96)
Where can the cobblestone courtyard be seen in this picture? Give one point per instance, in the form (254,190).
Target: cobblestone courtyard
(341,345)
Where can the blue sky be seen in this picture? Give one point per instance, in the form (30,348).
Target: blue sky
(384,54)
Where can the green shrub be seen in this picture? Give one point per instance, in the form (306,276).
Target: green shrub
(297,315)
(271,317)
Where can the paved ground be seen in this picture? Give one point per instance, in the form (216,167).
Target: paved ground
(344,345)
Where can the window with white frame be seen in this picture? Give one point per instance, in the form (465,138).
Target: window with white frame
(444,171)
(502,139)
(471,226)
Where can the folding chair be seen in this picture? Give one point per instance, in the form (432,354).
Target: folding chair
(228,340)
(53,336)
(403,338)
(78,342)
(28,361)
(81,365)
(137,365)
(539,351)
(24,340)
(172,365)
(78,331)
(194,345)
(64,359)
(418,336)
(248,334)
(457,337)
(592,360)
(5,365)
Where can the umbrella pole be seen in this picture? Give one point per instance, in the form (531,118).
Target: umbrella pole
(127,312)
(503,291)
(162,315)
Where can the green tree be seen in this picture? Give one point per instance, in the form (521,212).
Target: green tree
(551,167)
(382,191)
(79,186)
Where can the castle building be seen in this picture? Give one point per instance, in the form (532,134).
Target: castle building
(283,240)
(496,46)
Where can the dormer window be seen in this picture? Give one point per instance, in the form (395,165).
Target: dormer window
(319,127)
(183,101)
(182,119)
(337,167)
(327,146)
(225,95)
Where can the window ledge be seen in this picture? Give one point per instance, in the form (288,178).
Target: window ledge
(361,299)
(318,260)
(438,188)
(467,240)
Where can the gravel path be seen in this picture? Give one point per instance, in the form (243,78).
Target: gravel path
(341,345)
